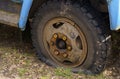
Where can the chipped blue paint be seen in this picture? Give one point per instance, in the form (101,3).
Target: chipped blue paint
(114,14)
(26,5)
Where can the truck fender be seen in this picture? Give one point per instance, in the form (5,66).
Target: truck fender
(26,5)
(114,14)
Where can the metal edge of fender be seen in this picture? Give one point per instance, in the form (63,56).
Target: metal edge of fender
(114,14)
(26,5)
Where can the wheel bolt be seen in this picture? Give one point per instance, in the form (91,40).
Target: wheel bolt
(65,55)
(56,52)
(52,43)
(55,36)
(69,48)
(64,38)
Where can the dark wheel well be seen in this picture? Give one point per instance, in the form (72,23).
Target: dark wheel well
(100,5)
(35,5)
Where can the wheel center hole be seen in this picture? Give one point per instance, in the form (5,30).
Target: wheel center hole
(61,44)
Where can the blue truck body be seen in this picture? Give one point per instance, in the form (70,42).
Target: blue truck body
(114,14)
(26,5)
(113,8)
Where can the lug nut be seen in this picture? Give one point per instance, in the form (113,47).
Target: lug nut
(56,52)
(65,55)
(55,36)
(64,38)
(69,48)
(52,43)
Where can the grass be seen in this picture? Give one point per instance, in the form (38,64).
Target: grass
(64,72)
(22,71)
(13,53)
(100,76)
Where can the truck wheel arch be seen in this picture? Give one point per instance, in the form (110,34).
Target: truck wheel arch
(35,5)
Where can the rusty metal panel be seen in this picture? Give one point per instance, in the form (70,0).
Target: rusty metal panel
(9,18)
(9,6)
(9,12)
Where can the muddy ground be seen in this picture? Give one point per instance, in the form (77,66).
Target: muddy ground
(18,59)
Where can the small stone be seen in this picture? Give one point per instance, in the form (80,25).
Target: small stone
(35,65)
(118,77)
(12,67)
(107,73)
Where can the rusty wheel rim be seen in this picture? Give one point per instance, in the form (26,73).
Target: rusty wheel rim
(65,42)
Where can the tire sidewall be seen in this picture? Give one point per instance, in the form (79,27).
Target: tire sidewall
(80,19)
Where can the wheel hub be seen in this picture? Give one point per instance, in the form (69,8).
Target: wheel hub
(60,43)
(65,42)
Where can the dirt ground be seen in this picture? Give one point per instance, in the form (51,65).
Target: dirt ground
(18,60)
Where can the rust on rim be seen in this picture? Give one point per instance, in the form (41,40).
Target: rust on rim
(65,42)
